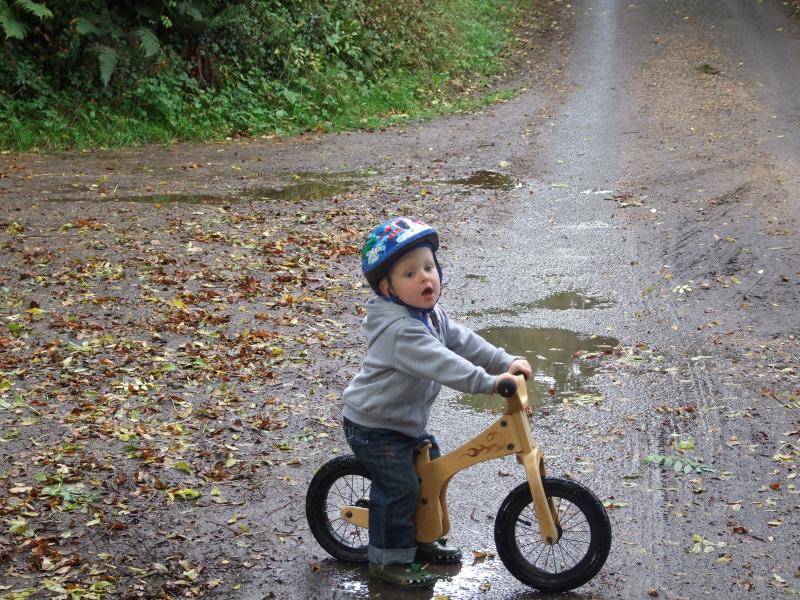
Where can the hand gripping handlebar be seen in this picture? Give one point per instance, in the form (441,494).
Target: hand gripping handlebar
(507,388)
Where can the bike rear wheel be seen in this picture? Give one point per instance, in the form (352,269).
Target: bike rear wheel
(584,537)
(340,482)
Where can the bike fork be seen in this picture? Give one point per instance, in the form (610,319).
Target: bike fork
(545,510)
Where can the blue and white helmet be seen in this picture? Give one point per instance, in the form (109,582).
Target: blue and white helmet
(389,241)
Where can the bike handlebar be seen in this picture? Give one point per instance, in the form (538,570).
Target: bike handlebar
(507,388)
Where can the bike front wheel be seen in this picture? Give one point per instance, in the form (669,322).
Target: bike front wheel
(583,543)
(340,482)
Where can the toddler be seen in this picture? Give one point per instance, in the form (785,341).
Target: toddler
(413,349)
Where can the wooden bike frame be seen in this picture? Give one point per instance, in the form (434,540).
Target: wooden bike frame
(510,434)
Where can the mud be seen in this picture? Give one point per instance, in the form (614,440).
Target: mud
(655,161)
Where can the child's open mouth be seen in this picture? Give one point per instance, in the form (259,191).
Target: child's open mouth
(427,292)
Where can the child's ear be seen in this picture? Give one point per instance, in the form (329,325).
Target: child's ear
(384,287)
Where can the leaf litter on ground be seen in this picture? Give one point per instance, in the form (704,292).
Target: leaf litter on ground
(154,362)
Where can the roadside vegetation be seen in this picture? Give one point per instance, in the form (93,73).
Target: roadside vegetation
(94,73)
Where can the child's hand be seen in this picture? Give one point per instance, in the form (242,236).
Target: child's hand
(521,367)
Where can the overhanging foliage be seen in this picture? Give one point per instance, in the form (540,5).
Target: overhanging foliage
(229,67)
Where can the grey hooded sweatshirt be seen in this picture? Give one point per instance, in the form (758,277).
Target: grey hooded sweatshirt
(407,364)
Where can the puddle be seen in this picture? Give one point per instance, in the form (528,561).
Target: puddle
(308,186)
(299,187)
(167,199)
(354,582)
(485,180)
(551,354)
(572,300)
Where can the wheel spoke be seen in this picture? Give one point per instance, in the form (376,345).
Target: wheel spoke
(564,551)
(551,550)
(572,546)
(544,549)
(348,490)
(565,517)
(350,486)
(583,540)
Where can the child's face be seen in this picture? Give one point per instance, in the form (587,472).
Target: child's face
(414,279)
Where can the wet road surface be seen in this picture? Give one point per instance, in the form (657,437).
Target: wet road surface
(623,135)
(642,198)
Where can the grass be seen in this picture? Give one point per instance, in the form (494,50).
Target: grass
(473,52)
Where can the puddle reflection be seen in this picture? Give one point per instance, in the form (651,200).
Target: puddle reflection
(307,186)
(458,581)
(299,187)
(570,300)
(561,371)
(471,579)
(484,180)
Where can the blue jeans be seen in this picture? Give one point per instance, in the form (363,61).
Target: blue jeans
(389,457)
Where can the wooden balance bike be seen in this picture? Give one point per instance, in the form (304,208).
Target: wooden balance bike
(552,534)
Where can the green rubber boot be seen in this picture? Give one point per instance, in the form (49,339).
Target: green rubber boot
(410,576)
(438,552)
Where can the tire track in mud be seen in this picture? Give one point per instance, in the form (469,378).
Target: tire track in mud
(708,125)
(724,257)
(663,99)
(718,192)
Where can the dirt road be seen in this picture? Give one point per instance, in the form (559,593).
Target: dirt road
(641,188)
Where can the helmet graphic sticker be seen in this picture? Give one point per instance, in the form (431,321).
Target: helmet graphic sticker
(373,253)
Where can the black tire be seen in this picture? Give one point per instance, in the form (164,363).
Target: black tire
(584,537)
(340,482)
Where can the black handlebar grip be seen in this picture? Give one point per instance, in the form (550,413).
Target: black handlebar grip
(507,388)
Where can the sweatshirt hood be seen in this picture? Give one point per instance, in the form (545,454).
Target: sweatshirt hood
(381,313)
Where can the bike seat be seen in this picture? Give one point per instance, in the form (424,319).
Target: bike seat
(422,446)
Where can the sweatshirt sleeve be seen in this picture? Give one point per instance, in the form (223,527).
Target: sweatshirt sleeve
(465,342)
(420,354)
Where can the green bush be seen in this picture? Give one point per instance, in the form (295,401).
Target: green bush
(95,73)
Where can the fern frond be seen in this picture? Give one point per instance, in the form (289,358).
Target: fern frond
(85,26)
(34,8)
(188,8)
(107,58)
(12,27)
(148,41)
